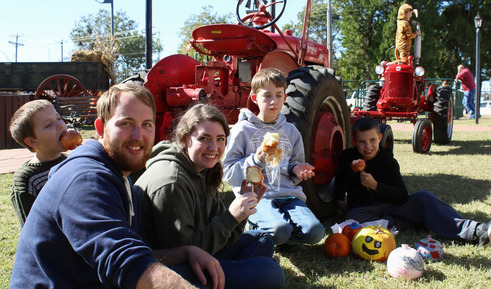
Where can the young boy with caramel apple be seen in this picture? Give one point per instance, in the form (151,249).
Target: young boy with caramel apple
(38,127)
(282,211)
(379,192)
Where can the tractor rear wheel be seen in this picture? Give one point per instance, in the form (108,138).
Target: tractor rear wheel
(371,97)
(422,136)
(316,105)
(443,115)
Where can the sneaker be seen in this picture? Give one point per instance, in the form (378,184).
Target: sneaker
(483,233)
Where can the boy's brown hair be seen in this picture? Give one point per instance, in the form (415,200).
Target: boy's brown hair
(364,124)
(266,75)
(21,125)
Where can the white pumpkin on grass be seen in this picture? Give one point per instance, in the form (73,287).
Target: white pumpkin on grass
(405,262)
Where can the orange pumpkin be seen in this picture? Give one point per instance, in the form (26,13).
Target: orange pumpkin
(337,245)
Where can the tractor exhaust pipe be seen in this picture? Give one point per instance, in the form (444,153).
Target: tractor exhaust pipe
(417,43)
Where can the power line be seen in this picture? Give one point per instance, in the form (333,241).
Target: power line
(17,44)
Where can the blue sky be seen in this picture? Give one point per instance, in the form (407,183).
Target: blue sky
(43,24)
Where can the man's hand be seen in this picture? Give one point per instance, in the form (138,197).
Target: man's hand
(304,171)
(201,261)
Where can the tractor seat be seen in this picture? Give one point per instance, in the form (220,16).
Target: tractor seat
(233,40)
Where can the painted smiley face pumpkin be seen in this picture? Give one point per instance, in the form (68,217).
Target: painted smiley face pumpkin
(373,243)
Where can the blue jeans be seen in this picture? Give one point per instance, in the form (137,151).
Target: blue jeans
(288,221)
(247,263)
(469,103)
(422,210)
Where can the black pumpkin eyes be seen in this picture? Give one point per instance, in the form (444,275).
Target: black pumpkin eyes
(377,244)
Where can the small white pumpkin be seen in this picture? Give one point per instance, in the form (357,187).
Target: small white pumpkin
(405,262)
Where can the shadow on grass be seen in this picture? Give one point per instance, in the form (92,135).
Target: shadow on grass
(311,263)
(473,147)
(467,261)
(450,188)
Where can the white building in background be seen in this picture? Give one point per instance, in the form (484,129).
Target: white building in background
(485,107)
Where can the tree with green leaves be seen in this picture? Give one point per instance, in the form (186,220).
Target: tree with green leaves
(194,21)
(364,33)
(130,56)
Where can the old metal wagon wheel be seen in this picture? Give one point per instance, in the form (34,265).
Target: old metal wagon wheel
(60,85)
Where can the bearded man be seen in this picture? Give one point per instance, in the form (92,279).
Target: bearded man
(83,230)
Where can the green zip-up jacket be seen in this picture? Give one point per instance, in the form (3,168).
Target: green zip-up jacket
(179,208)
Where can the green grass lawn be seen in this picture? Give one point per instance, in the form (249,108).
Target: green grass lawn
(458,173)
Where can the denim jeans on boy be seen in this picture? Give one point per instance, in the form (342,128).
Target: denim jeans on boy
(247,263)
(288,221)
(422,209)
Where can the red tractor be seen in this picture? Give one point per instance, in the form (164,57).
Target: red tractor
(404,95)
(315,98)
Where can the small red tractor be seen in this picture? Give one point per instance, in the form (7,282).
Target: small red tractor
(315,102)
(405,95)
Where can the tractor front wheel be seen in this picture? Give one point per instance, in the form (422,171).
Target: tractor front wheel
(422,136)
(387,136)
(443,115)
(316,105)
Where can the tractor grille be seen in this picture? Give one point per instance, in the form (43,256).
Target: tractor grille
(399,85)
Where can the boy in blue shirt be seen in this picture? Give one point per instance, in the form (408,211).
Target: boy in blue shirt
(282,211)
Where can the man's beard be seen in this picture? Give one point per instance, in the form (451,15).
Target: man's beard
(124,162)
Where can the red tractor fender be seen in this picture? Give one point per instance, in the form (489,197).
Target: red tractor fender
(279,60)
(174,70)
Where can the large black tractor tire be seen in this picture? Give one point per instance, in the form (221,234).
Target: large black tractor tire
(443,115)
(316,105)
(371,97)
(387,136)
(138,78)
(422,136)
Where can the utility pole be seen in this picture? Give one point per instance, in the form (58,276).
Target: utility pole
(329,34)
(148,34)
(62,50)
(17,44)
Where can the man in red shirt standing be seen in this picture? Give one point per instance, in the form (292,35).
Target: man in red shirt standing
(469,87)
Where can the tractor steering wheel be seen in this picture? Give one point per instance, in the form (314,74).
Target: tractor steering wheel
(258,11)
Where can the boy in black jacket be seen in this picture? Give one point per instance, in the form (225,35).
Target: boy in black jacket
(379,192)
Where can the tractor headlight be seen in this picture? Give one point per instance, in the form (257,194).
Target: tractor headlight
(419,71)
(379,69)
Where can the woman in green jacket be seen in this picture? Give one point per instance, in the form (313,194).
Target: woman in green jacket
(182,204)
